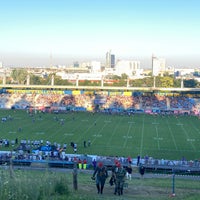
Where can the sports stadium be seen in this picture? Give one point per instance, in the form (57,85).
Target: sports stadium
(150,122)
(59,126)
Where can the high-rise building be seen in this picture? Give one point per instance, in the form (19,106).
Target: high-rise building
(110,60)
(158,66)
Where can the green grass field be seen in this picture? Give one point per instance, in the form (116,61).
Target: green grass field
(166,137)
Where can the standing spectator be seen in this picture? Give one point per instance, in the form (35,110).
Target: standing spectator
(141,170)
(129,172)
(84,164)
(79,163)
(129,160)
(84,144)
(94,163)
(138,160)
(101,174)
(75,147)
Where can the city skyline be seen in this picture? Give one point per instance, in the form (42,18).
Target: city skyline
(79,30)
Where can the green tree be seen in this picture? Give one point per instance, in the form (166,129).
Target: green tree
(124,76)
(177,83)
(166,82)
(35,80)
(19,76)
(191,83)
(59,81)
(145,82)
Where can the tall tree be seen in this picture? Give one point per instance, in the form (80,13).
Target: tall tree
(19,76)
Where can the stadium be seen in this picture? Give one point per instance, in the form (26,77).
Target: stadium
(47,127)
(155,123)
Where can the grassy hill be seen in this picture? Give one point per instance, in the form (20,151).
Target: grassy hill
(47,184)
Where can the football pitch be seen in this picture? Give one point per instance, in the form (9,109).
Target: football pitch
(167,137)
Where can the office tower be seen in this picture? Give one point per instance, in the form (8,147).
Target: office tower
(158,66)
(110,60)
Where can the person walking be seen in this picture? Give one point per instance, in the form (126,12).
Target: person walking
(119,174)
(100,174)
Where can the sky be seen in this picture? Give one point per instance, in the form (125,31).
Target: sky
(44,32)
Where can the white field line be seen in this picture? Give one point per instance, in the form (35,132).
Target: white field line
(58,129)
(172,135)
(98,133)
(88,129)
(195,128)
(187,136)
(125,142)
(157,137)
(142,137)
(113,132)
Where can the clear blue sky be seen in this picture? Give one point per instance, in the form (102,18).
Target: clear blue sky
(73,29)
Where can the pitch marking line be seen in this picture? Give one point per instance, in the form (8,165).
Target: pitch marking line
(158,138)
(40,133)
(127,137)
(97,135)
(191,140)
(84,120)
(68,134)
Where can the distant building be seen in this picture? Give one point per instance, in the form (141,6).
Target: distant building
(129,67)
(93,66)
(96,66)
(110,60)
(76,64)
(158,66)
(1,65)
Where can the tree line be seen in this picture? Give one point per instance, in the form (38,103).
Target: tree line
(19,76)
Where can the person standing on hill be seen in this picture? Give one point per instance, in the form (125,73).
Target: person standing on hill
(100,174)
(141,170)
(129,172)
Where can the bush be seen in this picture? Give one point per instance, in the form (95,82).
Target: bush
(61,187)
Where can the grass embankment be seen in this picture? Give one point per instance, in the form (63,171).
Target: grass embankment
(58,185)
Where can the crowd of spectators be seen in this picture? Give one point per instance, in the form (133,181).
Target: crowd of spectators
(116,101)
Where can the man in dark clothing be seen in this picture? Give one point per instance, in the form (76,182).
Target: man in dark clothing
(129,172)
(141,170)
(138,160)
(101,175)
(84,144)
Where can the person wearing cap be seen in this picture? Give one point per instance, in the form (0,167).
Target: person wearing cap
(119,174)
(100,174)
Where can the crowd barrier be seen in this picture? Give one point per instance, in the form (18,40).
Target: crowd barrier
(150,165)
